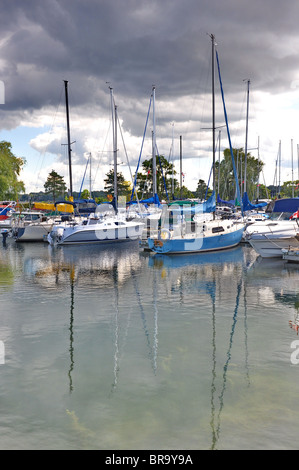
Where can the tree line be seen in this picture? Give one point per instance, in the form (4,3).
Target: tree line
(168,185)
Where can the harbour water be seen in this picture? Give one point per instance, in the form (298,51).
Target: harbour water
(111,348)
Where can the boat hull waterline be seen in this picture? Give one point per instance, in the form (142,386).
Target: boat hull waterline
(33,233)
(197,245)
(270,238)
(272,248)
(82,235)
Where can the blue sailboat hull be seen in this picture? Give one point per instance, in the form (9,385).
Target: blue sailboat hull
(197,245)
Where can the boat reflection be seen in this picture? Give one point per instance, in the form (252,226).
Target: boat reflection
(280,284)
(85,268)
(90,267)
(216,276)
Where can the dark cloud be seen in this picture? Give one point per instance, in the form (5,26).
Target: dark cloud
(135,44)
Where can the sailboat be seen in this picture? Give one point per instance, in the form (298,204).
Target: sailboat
(191,230)
(107,224)
(147,210)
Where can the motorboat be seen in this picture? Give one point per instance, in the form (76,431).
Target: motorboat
(100,227)
(279,232)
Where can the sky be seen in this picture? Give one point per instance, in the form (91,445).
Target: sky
(130,46)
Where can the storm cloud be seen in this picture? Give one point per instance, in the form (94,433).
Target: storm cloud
(135,44)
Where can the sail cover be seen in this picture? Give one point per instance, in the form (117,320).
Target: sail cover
(248,206)
(221,201)
(151,200)
(202,208)
(285,205)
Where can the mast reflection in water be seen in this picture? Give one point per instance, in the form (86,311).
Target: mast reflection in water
(112,348)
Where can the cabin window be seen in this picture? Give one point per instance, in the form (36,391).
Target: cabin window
(217,229)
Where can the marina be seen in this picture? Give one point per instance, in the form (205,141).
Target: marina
(149,229)
(110,347)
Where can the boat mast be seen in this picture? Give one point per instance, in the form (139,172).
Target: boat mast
(219,151)
(213,108)
(279,168)
(114,136)
(181,168)
(258,166)
(68,136)
(115,157)
(172,176)
(292,168)
(246,136)
(154,145)
(213,115)
(90,180)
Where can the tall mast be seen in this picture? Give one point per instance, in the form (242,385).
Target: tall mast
(90,181)
(219,151)
(258,158)
(279,168)
(68,136)
(114,137)
(115,156)
(292,168)
(246,136)
(213,108)
(172,177)
(181,167)
(154,145)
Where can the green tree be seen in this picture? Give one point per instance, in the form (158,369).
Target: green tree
(85,194)
(287,189)
(201,189)
(10,169)
(123,186)
(227,186)
(263,192)
(55,185)
(185,193)
(144,182)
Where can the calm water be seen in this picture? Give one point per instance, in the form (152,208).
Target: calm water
(118,349)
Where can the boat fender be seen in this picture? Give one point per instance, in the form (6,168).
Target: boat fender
(165,234)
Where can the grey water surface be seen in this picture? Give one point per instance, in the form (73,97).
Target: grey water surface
(112,348)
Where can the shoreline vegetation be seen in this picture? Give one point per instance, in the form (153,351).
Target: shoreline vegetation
(168,186)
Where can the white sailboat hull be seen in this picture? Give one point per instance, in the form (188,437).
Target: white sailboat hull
(272,248)
(269,239)
(103,232)
(5,224)
(33,233)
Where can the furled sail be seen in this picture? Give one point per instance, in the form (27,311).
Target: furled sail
(221,201)
(248,206)
(191,209)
